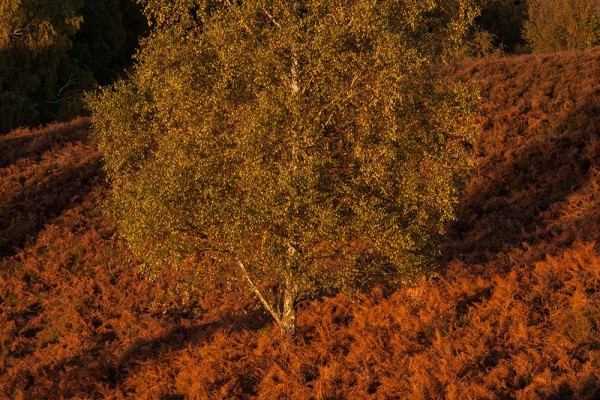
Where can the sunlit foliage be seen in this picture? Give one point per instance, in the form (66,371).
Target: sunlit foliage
(562,25)
(309,143)
(513,315)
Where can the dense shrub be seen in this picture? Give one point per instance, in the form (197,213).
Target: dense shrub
(539,154)
(47,173)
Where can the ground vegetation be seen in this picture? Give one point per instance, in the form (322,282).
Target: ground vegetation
(514,313)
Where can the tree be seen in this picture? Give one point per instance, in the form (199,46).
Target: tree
(308,145)
(34,68)
(504,19)
(108,37)
(52,50)
(562,25)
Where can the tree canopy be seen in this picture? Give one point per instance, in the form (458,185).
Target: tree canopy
(34,46)
(302,146)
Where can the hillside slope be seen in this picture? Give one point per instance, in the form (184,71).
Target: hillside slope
(515,312)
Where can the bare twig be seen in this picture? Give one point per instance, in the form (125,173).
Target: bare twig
(69,83)
(19,33)
(64,98)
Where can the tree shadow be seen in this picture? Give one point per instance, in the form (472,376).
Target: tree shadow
(179,337)
(39,202)
(98,365)
(508,202)
(27,143)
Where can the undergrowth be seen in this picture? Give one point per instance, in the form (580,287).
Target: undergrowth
(513,313)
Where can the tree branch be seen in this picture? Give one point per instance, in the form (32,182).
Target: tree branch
(265,303)
(270,17)
(19,33)
(64,98)
(69,83)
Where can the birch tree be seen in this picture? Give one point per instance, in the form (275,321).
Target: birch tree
(308,146)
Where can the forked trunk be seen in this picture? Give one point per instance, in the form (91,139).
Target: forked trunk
(286,317)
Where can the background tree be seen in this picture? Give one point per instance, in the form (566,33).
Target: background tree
(562,25)
(307,145)
(504,19)
(52,50)
(108,37)
(34,68)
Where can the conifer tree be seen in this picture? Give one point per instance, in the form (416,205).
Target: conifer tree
(306,145)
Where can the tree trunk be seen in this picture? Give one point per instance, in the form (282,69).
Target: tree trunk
(288,312)
(286,316)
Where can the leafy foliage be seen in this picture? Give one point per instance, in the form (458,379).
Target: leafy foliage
(108,37)
(309,142)
(514,314)
(34,64)
(44,181)
(537,159)
(504,19)
(50,51)
(562,25)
